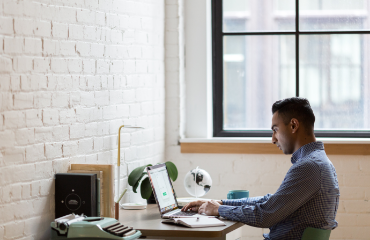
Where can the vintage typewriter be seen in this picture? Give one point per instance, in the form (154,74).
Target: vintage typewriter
(79,226)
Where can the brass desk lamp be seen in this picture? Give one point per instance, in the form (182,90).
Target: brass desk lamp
(119,161)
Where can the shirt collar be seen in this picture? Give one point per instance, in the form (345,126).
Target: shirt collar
(305,150)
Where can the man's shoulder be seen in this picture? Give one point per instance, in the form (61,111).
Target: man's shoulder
(315,157)
(307,164)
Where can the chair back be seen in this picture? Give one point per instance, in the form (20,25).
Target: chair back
(315,234)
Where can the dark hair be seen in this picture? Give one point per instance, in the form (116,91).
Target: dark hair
(295,107)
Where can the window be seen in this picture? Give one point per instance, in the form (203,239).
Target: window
(266,50)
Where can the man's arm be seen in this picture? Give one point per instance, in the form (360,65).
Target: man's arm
(301,183)
(246,201)
(194,206)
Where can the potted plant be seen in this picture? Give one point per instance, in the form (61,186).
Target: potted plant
(136,176)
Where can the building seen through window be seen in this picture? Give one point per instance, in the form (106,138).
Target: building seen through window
(334,61)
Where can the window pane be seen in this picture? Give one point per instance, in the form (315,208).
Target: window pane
(258,70)
(334,76)
(334,15)
(258,15)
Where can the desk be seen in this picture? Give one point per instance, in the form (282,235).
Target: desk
(148,221)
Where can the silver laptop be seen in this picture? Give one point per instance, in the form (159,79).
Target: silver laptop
(164,193)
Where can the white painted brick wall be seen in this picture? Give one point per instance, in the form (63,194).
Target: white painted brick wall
(71,73)
(261,174)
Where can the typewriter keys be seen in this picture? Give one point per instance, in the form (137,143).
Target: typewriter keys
(119,229)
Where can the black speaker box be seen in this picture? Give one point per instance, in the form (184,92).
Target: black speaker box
(75,193)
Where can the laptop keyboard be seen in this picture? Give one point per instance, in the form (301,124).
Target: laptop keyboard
(183,214)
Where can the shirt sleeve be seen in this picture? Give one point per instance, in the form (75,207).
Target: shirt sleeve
(301,183)
(246,201)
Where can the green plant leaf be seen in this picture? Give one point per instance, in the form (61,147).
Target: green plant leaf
(135,186)
(172,170)
(136,174)
(146,188)
(138,182)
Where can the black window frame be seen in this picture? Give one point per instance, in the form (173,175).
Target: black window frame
(217,75)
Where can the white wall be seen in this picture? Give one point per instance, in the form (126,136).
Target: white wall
(261,173)
(71,72)
(175,70)
(198,71)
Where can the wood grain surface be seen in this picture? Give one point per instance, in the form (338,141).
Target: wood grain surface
(149,222)
(269,148)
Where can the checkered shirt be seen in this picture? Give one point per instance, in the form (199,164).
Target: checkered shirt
(308,197)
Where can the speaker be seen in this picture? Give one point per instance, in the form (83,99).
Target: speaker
(75,193)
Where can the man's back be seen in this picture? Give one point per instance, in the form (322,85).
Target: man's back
(308,197)
(320,209)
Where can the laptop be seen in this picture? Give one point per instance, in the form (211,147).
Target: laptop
(165,194)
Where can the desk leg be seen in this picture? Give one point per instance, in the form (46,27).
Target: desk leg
(235,235)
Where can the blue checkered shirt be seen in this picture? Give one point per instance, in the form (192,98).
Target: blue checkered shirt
(308,197)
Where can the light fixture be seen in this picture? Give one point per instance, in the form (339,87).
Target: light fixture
(119,153)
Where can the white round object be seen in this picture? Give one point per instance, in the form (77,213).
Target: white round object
(133,206)
(197,182)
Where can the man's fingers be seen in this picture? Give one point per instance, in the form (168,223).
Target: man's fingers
(189,205)
(185,208)
(201,209)
(193,206)
(194,209)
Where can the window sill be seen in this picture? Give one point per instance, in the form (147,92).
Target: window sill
(333,146)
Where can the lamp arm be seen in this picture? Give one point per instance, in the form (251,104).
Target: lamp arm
(119,158)
(119,146)
(119,154)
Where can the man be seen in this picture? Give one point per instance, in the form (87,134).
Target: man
(309,194)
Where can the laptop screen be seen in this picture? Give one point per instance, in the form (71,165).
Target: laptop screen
(162,188)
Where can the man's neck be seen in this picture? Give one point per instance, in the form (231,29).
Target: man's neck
(306,139)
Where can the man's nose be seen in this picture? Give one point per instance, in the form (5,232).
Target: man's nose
(273,139)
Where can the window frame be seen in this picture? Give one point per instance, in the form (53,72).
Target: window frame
(217,75)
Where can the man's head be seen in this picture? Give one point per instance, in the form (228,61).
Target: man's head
(292,122)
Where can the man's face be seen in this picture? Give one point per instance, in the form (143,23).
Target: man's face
(282,134)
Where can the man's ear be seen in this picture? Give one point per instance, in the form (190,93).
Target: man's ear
(294,125)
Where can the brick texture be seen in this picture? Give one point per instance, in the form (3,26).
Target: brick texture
(72,72)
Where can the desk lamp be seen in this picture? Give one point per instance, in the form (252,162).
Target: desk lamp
(119,153)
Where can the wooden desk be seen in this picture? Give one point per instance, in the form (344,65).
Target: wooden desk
(148,221)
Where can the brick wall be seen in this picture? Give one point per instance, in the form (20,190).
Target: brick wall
(71,72)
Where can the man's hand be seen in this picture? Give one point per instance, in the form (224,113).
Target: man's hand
(193,206)
(209,208)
